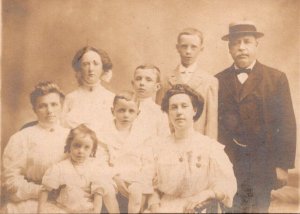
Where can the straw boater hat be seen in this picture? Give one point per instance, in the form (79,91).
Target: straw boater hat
(242,28)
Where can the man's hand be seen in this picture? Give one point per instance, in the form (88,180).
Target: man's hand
(282,177)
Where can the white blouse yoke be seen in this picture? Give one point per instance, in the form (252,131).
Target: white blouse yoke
(186,171)
(28,155)
(88,107)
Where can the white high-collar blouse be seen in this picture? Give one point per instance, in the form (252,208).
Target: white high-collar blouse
(27,156)
(87,106)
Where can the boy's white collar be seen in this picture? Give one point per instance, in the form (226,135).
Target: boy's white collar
(190,69)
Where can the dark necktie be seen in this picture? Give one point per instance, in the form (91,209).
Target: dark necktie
(242,70)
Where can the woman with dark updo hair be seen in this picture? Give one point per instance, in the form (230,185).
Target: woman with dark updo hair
(191,169)
(90,103)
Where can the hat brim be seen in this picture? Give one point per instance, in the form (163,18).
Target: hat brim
(256,34)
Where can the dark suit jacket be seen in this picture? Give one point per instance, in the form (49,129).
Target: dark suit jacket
(260,116)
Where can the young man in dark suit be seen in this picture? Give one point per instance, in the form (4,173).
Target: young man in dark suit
(256,121)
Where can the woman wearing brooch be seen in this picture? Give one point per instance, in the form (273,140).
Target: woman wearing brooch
(31,151)
(191,169)
(90,103)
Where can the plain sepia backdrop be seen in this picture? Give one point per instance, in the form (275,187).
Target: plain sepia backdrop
(39,39)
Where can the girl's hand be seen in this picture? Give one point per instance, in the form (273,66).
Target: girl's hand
(122,188)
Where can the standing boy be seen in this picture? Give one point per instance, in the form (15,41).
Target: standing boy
(146,83)
(189,46)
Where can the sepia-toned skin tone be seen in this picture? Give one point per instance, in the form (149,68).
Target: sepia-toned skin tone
(181,113)
(125,112)
(145,83)
(48,109)
(243,50)
(189,47)
(81,149)
(91,68)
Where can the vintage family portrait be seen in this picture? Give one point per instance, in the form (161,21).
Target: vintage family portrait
(150,106)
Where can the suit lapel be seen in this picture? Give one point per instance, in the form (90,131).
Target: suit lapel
(251,83)
(230,84)
(195,80)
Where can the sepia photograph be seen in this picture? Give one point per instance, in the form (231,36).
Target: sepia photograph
(150,106)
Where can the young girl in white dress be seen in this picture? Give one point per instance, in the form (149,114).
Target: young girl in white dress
(126,152)
(77,178)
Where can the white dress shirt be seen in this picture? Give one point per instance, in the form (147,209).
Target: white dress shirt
(242,77)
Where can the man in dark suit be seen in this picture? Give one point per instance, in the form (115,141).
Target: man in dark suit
(256,121)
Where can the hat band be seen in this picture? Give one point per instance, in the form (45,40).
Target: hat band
(242,28)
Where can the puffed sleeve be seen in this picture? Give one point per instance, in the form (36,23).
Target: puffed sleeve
(221,174)
(14,165)
(102,182)
(66,118)
(52,178)
(211,106)
(71,116)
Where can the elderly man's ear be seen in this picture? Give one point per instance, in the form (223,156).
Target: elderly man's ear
(106,76)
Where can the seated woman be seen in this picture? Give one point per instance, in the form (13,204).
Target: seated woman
(91,102)
(31,151)
(191,168)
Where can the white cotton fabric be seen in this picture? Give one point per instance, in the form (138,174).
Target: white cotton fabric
(183,174)
(28,154)
(75,182)
(88,107)
(152,120)
(128,157)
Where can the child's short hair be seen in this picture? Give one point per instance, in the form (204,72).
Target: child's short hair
(44,88)
(128,96)
(191,31)
(150,66)
(81,130)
